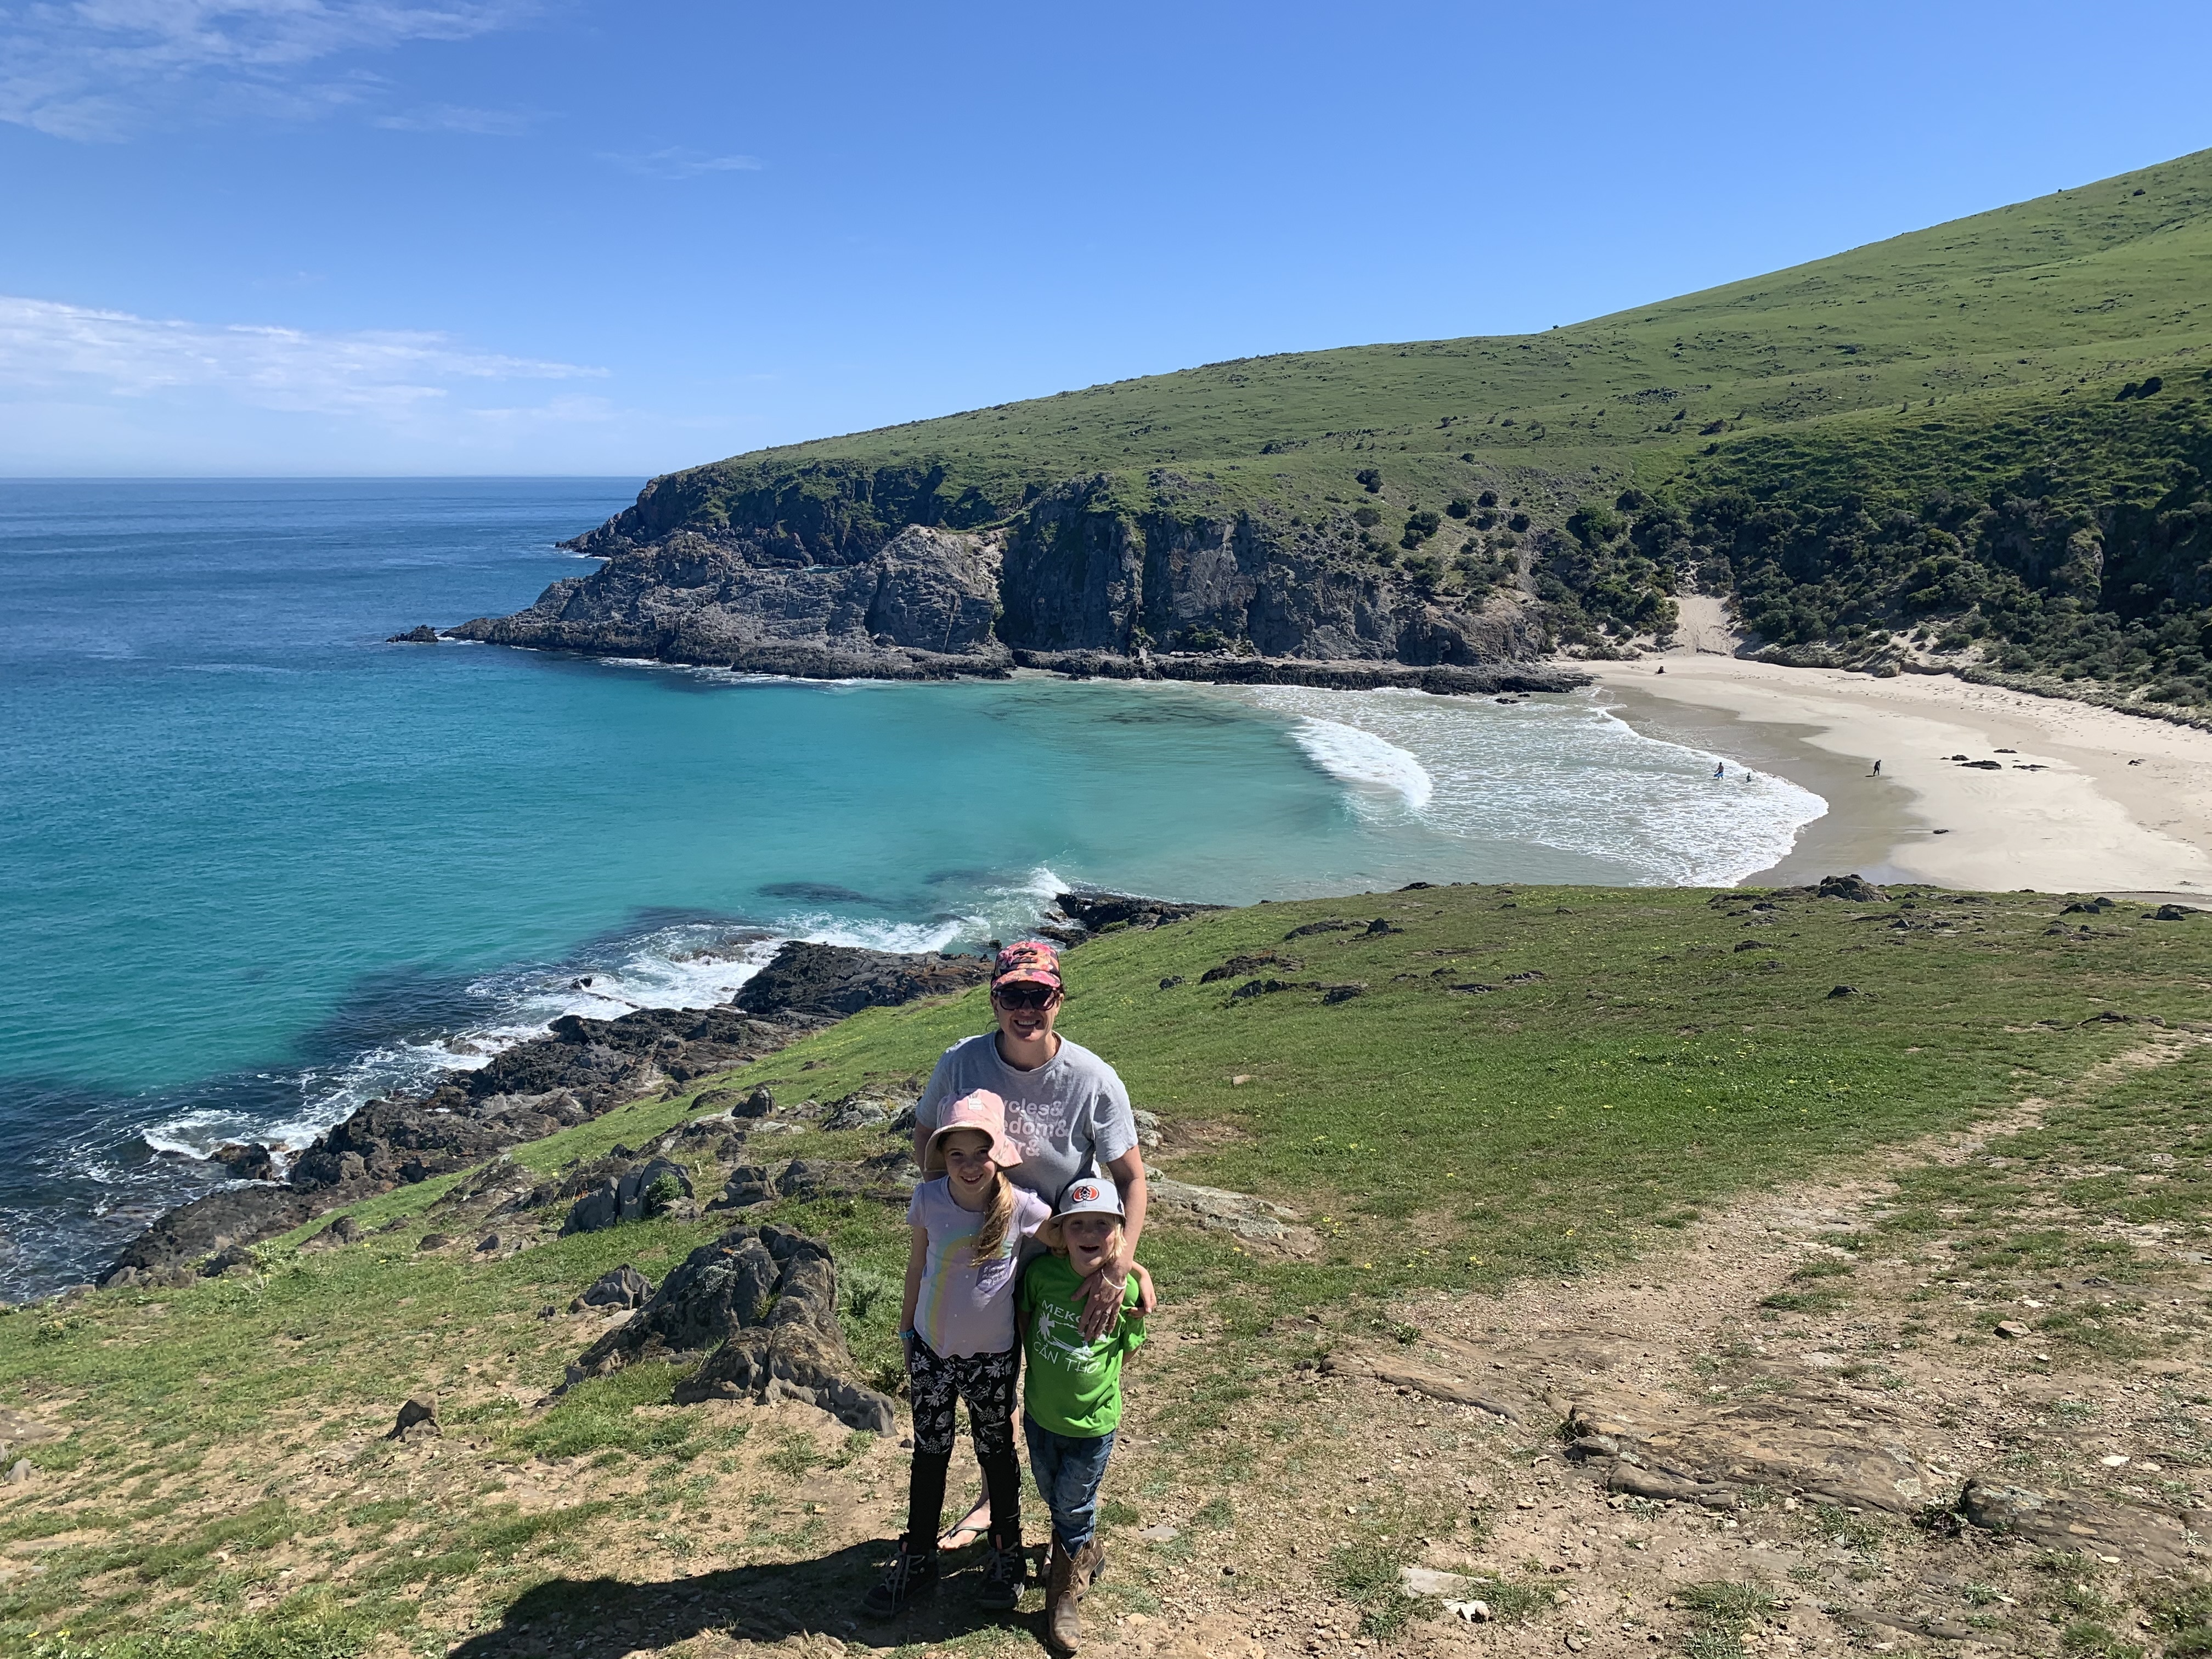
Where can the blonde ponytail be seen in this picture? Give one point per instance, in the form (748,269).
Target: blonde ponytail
(997,1221)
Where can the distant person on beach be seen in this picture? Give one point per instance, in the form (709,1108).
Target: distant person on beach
(1067,1114)
(1877,770)
(1072,1388)
(967,1224)
(1720,769)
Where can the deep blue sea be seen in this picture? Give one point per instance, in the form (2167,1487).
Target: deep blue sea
(257,864)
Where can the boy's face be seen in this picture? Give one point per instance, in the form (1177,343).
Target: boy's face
(1090,1240)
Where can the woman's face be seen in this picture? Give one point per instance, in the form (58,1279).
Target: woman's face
(1025,1009)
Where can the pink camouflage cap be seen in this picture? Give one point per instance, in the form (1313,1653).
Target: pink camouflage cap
(1030,959)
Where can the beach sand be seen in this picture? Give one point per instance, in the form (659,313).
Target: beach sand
(2122,804)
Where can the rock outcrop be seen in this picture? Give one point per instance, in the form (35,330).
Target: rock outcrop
(828,573)
(919,607)
(829,981)
(764,1300)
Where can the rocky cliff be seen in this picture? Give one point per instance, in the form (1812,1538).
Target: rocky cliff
(837,579)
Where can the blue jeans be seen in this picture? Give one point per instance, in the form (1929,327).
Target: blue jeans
(1069,1473)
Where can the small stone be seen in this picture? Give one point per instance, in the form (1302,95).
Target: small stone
(1161,1534)
(2012,1330)
(2113,1462)
(434,1241)
(489,1242)
(1575,1645)
(1844,991)
(418,1415)
(19,1472)
(1241,1079)
(1473,1613)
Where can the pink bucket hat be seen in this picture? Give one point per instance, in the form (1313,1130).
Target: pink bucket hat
(979,1109)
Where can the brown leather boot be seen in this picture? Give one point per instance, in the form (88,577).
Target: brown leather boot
(1063,1618)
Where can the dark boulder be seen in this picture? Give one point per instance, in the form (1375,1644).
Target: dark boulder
(639,1193)
(1236,966)
(424,635)
(1095,912)
(253,1162)
(830,981)
(1857,889)
(419,1418)
(2174,913)
(620,1287)
(748,1185)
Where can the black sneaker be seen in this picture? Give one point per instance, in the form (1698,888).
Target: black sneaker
(1003,1578)
(908,1579)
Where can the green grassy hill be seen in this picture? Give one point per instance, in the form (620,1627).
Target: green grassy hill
(1990,437)
(1534,1088)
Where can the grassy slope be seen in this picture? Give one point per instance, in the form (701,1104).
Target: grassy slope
(1434,1139)
(2085,285)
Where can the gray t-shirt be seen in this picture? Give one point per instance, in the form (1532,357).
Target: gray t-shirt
(1071,1110)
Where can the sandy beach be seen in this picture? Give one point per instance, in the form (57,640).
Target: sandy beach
(2083,799)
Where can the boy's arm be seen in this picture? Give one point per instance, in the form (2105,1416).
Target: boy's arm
(1147,1299)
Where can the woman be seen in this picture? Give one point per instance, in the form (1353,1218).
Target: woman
(1068,1114)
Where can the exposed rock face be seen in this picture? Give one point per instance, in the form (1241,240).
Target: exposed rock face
(831,981)
(766,1301)
(833,574)
(919,607)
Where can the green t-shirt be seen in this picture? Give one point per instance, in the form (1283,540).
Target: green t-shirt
(1070,1386)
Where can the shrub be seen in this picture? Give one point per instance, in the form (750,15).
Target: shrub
(1459,507)
(1518,522)
(1369,479)
(1488,498)
(1366,517)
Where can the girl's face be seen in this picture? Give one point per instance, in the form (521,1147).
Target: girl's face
(1090,1239)
(968,1159)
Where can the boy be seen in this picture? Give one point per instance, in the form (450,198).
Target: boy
(1071,1387)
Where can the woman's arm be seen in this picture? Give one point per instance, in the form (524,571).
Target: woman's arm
(917,1254)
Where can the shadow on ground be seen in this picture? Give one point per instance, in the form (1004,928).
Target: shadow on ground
(606,1618)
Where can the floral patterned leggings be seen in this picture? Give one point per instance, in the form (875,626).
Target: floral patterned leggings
(936,1382)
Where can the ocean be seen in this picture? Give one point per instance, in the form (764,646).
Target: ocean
(256,866)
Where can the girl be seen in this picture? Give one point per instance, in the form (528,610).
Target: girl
(1071,1390)
(968,1227)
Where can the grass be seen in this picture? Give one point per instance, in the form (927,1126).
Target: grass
(1431,1141)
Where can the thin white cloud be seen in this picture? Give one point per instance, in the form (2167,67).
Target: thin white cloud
(680,163)
(47,348)
(459,117)
(101,70)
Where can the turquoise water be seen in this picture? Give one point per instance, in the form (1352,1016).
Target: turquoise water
(256,865)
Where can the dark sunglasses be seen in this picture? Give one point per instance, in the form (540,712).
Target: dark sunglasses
(1024,993)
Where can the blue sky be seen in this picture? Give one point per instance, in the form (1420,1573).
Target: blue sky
(411,236)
